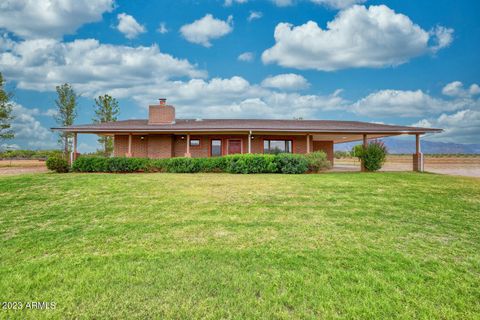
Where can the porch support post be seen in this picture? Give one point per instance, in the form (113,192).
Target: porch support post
(308,143)
(418,155)
(73,154)
(129,152)
(365,144)
(250,141)
(187,154)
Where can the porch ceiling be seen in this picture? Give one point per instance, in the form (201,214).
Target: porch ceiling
(341,138)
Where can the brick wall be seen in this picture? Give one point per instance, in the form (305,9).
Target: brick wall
(166,146)
(161,114)
(120,145)
(326,146)
(160,146)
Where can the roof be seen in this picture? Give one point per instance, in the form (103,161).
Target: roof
(235,125)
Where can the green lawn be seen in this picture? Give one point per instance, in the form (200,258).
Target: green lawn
(351,245)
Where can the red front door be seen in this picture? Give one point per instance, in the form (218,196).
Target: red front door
(234,146)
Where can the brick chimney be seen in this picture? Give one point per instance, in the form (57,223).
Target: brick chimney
(161,113)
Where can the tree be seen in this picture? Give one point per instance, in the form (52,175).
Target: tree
(106,110)
(5,112)
(66,103)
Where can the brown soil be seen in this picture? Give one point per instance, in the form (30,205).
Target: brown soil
(462,166)
(13,167)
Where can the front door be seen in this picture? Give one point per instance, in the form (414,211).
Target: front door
(234,146)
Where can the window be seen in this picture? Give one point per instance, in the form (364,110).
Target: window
(216,148)
(194,142)
(277,146)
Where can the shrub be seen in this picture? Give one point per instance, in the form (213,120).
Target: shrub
(90,164)
(182,165)
(251,163)
(291,163)
(342,154)
(317,161)
(373,156)
(241,163)
(57,163)
(123,164)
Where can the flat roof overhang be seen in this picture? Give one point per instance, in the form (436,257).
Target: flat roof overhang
(337,136)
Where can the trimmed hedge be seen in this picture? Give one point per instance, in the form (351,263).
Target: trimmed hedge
(241,163)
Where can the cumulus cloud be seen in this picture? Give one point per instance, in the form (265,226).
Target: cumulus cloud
(203,30)
(399,103)
(456,89)
(282,3)
(334,4)
(234,97)
(254,15)
(337,4)
(246,56)
(92,68)
(228,3)
(129,26)
(288,81)
(50,18)
(162,28)
(29,130)
(358,37)
(459,127)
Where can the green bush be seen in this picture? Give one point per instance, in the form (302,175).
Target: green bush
(317,161)
(241,163)
(291,163)
(342,154)
(90,164)
(251,163)
(182,165)
(58,164)
(373,156)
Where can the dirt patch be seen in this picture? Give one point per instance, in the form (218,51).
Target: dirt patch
(461,166)
(14,167)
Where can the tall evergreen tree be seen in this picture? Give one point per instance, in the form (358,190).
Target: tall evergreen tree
(6,116)
(106,110)
(66,103)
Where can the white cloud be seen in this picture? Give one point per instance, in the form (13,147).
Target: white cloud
(254,15)
(398,103)
(7,146)
(334,4)
(129,26)
(456,89)
(205,29)
(283,3)
(162,28)
(337,4)
(29,130)
(233,97)
(460,127)
(288,81)
(228,3)
(92,68)
(246,56)
(50,18)
(357,37)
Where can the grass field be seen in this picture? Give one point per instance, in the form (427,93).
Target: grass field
(338,245)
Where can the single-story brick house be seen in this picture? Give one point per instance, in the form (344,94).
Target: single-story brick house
(164,136)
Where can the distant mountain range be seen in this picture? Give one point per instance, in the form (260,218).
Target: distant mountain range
(396,146)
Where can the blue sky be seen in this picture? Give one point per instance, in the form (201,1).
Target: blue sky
(402,62)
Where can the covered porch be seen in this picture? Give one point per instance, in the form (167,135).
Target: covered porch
(204,144)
